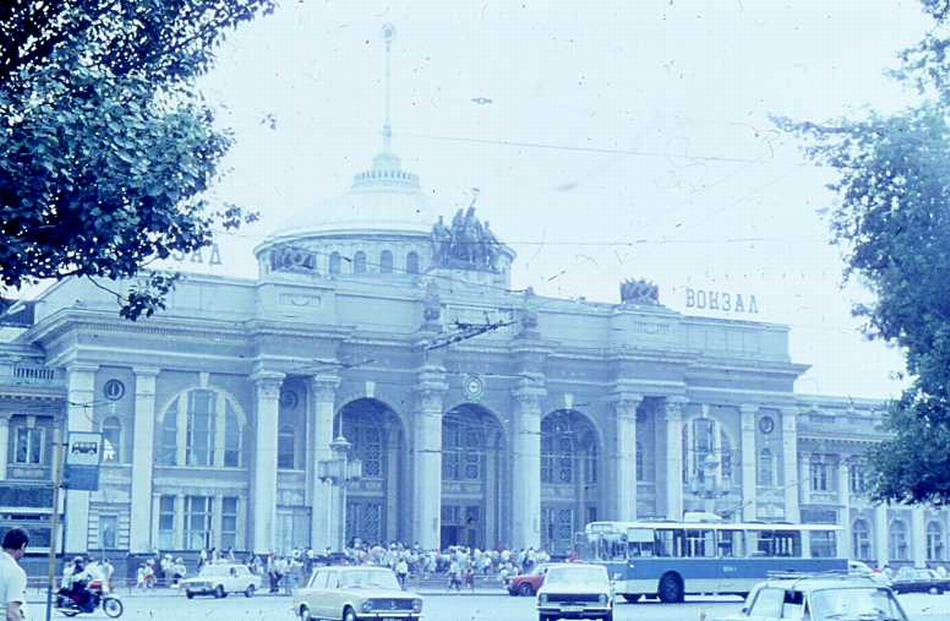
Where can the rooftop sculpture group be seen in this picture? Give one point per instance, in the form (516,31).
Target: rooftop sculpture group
(466,244)
(639,292)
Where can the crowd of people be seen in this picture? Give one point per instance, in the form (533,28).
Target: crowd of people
(458,566)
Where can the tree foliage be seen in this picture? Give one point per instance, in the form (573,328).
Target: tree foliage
(893,219)
(106,146)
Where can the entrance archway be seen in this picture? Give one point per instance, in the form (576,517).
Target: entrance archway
(570,471)
(376,501)
(472,468)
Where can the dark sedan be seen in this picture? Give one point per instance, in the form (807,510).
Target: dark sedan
(919,581)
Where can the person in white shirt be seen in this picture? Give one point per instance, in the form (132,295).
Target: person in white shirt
(12,576)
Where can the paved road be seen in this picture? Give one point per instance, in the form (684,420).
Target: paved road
(455,608)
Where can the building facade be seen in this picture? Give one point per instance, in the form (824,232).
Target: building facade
(477,415)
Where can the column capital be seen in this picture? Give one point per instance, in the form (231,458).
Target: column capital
(626,404)
(268,383)
(324,385)
(146,372)
(81,367)
(430,396)
(674,407)
(749,408)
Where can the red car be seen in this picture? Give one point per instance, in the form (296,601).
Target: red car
(529,583)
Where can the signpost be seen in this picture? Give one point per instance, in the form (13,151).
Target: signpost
(54,518)
(83,458)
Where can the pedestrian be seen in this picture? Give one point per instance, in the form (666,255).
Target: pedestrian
(402,572)
(12,576)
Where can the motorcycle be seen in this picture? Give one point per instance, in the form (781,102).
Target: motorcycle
(72,602)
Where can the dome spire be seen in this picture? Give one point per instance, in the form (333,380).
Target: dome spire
(389,33)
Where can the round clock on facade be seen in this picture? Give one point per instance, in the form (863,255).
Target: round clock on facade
(766,424)
(288,399)
(473,387)
(113,390)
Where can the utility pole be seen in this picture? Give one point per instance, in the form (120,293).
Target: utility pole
(54,518)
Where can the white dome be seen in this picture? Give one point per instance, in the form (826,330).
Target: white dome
(384,199)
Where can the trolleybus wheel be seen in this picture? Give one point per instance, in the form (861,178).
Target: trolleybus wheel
(671,589)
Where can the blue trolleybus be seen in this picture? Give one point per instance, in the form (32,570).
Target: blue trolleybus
(667,560)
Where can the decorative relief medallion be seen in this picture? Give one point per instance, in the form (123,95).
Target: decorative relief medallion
(473,387)
(289,399)
(766,425)
(113,390)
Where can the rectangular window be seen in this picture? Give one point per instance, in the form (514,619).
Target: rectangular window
(823,544)
(858,480)
(197,522)
(285,449)
(229,519)
(201,416)
(29,445)
(819,474)
(108,526)
(166,522)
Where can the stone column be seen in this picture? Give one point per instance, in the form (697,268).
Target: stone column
(749,454)
(322,403)
(791,479)
(80,395)
(674,458)
(526,463)
(625,456)
(4,444)
(843,536)
(427,459)
(881,535)
(918,536)
(264,489)
(143,451)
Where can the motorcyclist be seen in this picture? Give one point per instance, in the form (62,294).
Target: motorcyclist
(75,581)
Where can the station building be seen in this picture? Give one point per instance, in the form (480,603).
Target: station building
(380,379)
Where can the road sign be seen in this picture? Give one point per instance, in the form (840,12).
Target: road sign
(83,457)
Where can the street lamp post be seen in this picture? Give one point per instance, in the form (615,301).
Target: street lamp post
(340,470)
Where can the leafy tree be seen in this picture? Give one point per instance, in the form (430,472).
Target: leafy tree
(893,219)
(106,146)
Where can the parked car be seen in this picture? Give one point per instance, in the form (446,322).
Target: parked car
(219,579)
(527,584)
(575,591)
(909,580)
(354,593)
(820,598)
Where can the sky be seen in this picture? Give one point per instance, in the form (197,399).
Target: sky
(608,140)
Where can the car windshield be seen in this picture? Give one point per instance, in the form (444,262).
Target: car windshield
(369,579)
(565,576)
(212,570)
(863,604)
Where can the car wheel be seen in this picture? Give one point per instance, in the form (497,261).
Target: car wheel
(249,591)
(525,589)
(219,592)
(349,614)
(305,614)
(632,597)
(189,595)
(671,589)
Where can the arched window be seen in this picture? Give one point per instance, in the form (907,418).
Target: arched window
(232,437)
(359,262)
(112,440)
(168,451)
(201,428)
(211,426)
(766,472)
(412,263)
(641,473)
(725,457)
(861,540)
(386,262)
(286,441)
(462,450)
(335,261)
(898,541)
(934,542)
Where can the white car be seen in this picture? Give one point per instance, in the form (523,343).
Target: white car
(575,591)
(219,579)
(354,593)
